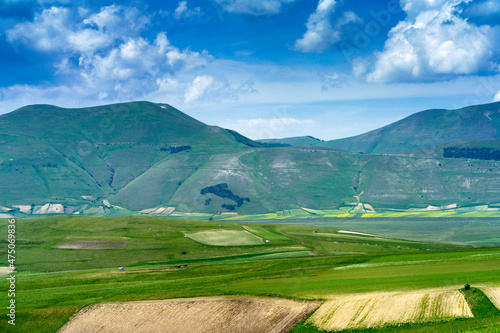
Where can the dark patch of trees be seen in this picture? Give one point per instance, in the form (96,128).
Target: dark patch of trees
(229,207)
(176,149)
(472,153)
(221,190)
(207,202)
(273,145)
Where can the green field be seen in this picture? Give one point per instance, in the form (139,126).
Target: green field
(302,262)
(223,237)
(265,234)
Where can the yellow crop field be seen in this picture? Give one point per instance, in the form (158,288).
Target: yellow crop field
(377,309)
(493,294)
(192,315)
(5,270)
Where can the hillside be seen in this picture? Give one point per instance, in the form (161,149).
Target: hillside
(427,129)
(55,154)
(125,158)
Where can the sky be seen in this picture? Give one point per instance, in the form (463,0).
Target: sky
(265,68)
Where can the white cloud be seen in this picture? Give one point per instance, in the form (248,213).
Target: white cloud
(198,88)
(414,7)
(319,30)
(138,67)
(261,128)
(497,97)
(103,53)
(207,88)
(433,42)
(102,56)
(182,11)
(320,33)
(60,29)
(253,7)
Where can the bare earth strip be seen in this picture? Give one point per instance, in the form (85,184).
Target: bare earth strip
(5,270)
(493,294)
(377,309)
(192,315)
(89,245)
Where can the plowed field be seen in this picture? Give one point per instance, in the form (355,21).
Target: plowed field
(191,315)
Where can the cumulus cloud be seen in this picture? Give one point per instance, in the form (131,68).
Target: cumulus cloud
(497,97)
(198,88)
(182,11)
(434,42)
(253,7)
(319,29)
(59,29)
(137,66)
(320,33)
(209,88)
(102,54)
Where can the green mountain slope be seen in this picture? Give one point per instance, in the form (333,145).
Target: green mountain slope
(142,155)
(293,177)
(427,129)
(55,154)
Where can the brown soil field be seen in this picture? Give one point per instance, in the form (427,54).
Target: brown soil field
(242,314)
(377,309)
(89,245)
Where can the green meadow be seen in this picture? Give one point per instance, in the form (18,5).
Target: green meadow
(290,260)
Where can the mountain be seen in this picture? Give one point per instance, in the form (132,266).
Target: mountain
(151,157)
(51,153)
(427,129)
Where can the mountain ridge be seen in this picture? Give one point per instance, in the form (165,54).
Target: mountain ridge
(143,155)
(423,129)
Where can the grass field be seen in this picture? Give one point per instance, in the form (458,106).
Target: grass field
(265,234)
(225,237)
(301,262)
(475,231)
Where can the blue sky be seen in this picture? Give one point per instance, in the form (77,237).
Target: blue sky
(266,68)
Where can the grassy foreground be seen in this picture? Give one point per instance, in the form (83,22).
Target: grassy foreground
(304,262)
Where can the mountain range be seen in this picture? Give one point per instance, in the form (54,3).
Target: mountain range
(149,157)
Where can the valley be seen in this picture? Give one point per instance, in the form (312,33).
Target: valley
(299,262)
(136,210)
(103,165)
